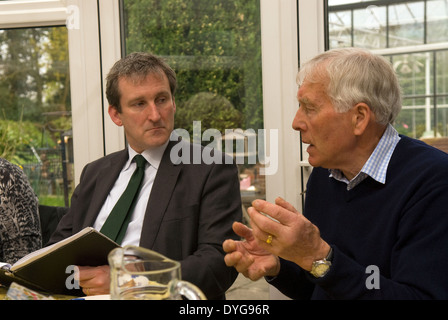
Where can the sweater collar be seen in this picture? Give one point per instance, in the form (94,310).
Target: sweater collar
(376,165)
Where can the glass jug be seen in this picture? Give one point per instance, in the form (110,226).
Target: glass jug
(141,274)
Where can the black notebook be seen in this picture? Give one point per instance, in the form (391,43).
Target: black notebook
(50,269)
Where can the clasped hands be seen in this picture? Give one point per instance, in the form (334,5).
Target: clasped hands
(291,237)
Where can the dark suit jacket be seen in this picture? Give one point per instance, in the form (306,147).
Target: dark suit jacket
(189,213)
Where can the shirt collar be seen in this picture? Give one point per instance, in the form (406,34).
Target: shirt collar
(376,165)
(153,156)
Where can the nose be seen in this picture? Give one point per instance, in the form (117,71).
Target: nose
(298,123)
(153,113)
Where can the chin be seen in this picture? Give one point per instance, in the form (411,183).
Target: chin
(313,162)
(157,140)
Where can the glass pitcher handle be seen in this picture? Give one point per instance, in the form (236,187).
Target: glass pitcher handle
(190,291)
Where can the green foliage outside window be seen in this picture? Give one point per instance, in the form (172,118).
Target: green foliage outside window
(35,108)
(214,47)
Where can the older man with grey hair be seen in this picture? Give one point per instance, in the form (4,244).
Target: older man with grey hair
(375,222)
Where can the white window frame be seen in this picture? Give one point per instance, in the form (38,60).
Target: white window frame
(111,52)
(17,14)
(84,52)
(311,42)
(280,64)
(86,86)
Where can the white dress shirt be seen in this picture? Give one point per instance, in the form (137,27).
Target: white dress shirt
(153,157)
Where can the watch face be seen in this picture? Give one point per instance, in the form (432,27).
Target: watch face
(320,268)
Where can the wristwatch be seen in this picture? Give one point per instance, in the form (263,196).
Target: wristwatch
(321,267)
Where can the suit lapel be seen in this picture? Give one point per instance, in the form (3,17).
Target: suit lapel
(107,176)
(161,193)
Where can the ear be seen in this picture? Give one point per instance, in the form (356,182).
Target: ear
(361,118)
(115,116)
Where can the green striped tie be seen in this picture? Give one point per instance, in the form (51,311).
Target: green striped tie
(117,222)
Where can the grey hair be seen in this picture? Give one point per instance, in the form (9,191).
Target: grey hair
(355,75)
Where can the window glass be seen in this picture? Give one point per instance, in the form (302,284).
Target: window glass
(442,72)
(437,12)
(442,124)
(415,118)
(405,30)
(215,48)
(35,115)
(340,23)
(369,27)
(406,24)
(412,69)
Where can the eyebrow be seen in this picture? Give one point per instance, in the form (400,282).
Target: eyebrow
(135,99)
(142,97)
(305,100)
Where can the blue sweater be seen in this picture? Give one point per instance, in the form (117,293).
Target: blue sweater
(400,227)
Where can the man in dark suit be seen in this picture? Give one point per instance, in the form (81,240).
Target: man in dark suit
(184,210)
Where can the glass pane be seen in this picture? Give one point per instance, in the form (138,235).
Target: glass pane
(442,99)
(442,72)
(437,16)
(423,76)
(436,136)
(370,27)
(442,117)
(406,24)
(35,118)
(415,73)
(215,48)
(415,118)
(340,29)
